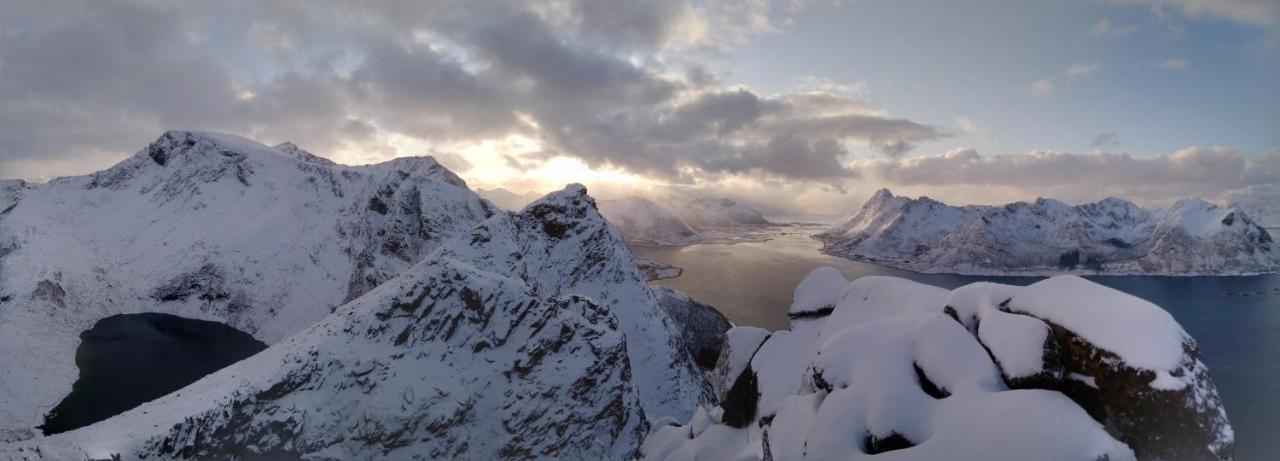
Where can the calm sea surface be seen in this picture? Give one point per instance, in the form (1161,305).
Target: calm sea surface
(1235,320)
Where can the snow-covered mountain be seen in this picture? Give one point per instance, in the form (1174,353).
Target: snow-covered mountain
(680,221)
(532,335)
(506,199)
(715,213)
(1112,236)
(887,368)
(208,226)
(644,222)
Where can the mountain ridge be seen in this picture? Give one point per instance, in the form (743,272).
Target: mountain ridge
(1110,236)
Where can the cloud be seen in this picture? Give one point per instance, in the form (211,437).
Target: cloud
(1105,141)
(1045,86)
(1176,64)
(1081,70)
(1042,87)
(1255,12)
(1208,172)
(1105,27)
(594,80)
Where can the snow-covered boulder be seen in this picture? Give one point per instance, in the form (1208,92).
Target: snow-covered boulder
(644,222)
(531,336)
(207,226)
(1112,236)
(818,293)
(1061,369)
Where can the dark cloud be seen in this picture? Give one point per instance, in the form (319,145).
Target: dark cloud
(420,92)
(588,79)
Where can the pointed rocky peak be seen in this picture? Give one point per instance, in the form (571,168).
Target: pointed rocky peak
(560,211)
(881,195)
(882,199)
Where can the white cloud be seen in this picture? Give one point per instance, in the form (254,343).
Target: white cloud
(1049,85)
(1105,27)
(1194,171)
(1042,87)
(1176,64)
(1257,12)
(1081,70)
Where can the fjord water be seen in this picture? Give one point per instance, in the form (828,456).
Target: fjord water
(130,359)
(1235,320)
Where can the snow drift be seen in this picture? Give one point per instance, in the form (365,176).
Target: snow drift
(1111,236)
(887,368)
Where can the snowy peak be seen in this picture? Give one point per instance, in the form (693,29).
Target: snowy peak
(292,150)
(1193,237)
(426,166)
(644,222)
(710,213)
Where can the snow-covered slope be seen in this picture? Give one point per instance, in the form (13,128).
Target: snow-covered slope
(644,222)
(715,213)
(12,190)
(1111,236)
(531,336)
(209,226)
(887,368)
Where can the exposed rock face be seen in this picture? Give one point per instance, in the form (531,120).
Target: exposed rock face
(1186,422)
(531,336)
(1112,236)
(206,226)
(702,327)
(1061,369)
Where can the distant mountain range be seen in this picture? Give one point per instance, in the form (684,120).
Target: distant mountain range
(677,221)
(1111,236)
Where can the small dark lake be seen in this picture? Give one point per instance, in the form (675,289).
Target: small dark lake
(1235,320)
(130,359)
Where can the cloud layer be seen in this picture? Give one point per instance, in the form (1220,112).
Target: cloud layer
(608,83)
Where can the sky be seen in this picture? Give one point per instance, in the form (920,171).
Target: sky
(793,106)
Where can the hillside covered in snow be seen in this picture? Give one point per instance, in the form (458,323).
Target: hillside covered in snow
(527,335)
(887,368)
(208,226)
(1112,236)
